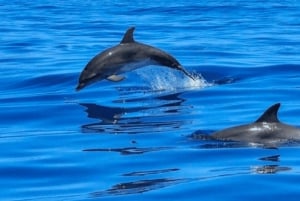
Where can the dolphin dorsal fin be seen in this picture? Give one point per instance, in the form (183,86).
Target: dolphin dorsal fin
(128,36)
(270,115)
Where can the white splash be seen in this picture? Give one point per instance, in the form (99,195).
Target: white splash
(166,79)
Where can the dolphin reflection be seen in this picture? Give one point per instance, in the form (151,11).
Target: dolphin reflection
(152,117)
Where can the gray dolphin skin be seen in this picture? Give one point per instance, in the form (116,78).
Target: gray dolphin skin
(126,56)
(267,130)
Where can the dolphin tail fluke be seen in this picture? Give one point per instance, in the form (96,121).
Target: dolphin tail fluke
(186,73)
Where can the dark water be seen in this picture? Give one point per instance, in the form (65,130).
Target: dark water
(132,140)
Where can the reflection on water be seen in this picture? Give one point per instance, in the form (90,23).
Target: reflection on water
(150,172)
(269,169)
(106,114)
(128,150)
(274,158)
(152,117)
(145,185)
(139,186)
(272,168)
(215,144)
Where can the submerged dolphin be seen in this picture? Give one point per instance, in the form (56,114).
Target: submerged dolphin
(128,55)
(267,130)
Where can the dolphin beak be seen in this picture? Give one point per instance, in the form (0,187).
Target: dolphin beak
(80,86)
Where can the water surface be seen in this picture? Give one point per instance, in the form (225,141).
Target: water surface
(133,139)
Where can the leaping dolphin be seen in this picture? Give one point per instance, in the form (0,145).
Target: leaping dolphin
(267,130)
(126,56)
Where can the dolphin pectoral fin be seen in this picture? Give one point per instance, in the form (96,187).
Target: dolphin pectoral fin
(115,78)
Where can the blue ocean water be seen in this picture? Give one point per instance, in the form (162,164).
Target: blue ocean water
(132,140)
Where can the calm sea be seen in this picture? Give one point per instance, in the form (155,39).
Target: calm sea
(132,140)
